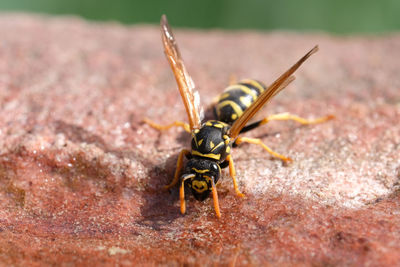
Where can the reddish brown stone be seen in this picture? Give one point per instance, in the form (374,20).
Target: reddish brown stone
(80,175)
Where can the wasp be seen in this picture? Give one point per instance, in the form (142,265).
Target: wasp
(212,141)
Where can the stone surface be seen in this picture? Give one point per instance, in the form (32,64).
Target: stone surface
(80,175)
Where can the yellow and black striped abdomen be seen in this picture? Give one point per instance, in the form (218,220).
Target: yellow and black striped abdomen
(236,98)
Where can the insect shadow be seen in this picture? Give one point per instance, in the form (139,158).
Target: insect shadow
(78,134)
(159,207)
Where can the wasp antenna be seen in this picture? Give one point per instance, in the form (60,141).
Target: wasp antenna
(215,199)
(182,197)
(182,191)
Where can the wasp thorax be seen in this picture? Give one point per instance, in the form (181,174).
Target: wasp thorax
(211,141)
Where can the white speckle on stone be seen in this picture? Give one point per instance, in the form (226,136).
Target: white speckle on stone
(116,250)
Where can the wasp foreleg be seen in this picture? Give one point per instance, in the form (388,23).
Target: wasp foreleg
(232,172)
(179,166)
(215,199)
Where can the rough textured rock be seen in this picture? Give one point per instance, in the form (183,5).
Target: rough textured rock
(80,175)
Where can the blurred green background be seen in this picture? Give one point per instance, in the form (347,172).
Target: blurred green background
(340,16)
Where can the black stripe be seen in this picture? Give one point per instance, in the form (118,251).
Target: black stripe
(234,95)
(252,87)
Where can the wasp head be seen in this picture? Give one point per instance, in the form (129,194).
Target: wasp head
(200,175)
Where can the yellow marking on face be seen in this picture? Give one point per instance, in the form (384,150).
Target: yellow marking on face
(236,108)
(211,144)
(220,144)
(245,101)
(234,116)
(210,155)
(200,171)
(199,186)
(208,178)
(254,83)
(201,141)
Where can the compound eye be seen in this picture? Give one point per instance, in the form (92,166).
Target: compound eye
(214,167)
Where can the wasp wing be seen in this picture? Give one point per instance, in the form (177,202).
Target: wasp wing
(271,91)
(190,96)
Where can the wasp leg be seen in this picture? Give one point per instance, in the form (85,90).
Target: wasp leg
(160,127)
(286,117)
(215,199)
(257,141)
(232,172)
(179,166)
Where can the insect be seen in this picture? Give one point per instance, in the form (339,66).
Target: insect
(212,141)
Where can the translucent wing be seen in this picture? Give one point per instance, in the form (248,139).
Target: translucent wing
(190,97)
(271,91)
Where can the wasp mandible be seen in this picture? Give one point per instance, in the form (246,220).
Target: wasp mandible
(212,141)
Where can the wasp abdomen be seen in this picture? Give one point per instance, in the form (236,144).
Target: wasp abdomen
(236,99)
